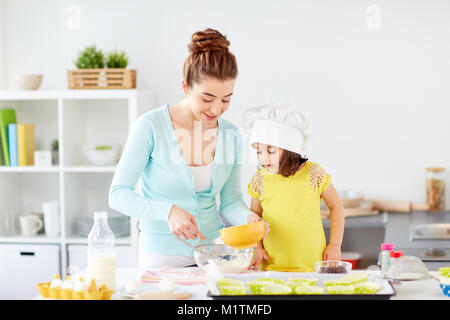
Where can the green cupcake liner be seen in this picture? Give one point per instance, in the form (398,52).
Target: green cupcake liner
(308,289)
(232,290)
(340,289)
(445,272)
(275,289)
(294,282)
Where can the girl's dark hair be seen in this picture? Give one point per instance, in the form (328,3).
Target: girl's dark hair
(290,162)
(209,57)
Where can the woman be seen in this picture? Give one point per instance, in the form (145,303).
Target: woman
(186,155)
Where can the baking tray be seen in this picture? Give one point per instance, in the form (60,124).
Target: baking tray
(385,293)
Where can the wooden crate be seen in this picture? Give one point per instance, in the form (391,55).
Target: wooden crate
(101,78)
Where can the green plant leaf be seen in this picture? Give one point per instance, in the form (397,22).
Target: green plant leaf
(117,60)
(90,58)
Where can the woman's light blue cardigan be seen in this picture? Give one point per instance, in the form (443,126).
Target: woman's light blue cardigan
(152,153)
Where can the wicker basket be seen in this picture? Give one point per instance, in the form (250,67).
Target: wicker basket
(101,78)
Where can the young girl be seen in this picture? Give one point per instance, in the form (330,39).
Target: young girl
(286,192)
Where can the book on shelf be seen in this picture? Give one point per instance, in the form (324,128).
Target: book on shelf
(7,116)
(25,144)
(12,142)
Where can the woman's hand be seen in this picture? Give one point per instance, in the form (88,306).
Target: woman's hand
(259,254)
(332,252)
(183,224)
(253,217)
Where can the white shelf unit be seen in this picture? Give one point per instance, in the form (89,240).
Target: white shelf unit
(75,118)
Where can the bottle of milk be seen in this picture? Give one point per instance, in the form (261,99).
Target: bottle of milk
(101,254)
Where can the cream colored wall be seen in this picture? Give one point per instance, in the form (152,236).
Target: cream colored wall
(371,76)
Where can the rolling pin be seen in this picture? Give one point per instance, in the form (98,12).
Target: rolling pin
(397,206)
(163,295)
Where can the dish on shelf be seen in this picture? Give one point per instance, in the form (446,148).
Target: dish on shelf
(29,81)
(118,223)
(351,198)
(102,155)
(364,208)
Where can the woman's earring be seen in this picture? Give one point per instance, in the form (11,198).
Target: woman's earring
(259,166)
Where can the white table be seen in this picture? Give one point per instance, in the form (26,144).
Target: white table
(407,290)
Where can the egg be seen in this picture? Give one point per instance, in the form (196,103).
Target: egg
(167,285)
(67,284)
(132,287)
(56,283)
(80,285)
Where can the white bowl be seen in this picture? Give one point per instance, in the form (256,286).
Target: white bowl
(351,199)
(101,156)
(30,81)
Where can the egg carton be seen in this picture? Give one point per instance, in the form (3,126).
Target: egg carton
(57,293)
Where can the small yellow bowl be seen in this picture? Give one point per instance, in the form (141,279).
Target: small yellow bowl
(44,289)
(55,293)
(243,236)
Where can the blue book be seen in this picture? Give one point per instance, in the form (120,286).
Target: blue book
(12,137)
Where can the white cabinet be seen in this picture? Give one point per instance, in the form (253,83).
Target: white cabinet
(75,118)
(22,266)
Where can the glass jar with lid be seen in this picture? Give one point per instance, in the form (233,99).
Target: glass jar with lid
(435,188)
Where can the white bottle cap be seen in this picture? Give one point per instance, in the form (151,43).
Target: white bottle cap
(100,214)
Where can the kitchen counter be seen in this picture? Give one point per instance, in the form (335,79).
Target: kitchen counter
(412,290)
(408,290)
(364,234)
(398,232)
(398,228)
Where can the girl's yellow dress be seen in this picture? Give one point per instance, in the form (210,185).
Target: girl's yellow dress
(291,206)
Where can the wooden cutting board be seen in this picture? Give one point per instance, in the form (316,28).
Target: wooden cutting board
(325,214)
(397,206)
(366,209)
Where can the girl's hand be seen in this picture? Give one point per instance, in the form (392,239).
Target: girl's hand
(332,252)
(253,217)
(258,256)
(183,224)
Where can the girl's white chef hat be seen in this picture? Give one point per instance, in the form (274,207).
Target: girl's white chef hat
(278,125)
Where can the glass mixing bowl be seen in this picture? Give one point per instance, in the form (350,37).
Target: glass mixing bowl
(227,259)
(407,268)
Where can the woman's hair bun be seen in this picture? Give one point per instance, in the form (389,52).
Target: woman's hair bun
(208,40)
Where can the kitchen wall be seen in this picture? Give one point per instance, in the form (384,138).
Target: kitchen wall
(372,76)
(2,41)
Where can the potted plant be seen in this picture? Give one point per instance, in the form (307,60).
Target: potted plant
(95,71)
(55,151)
(90,58)
(117,59)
